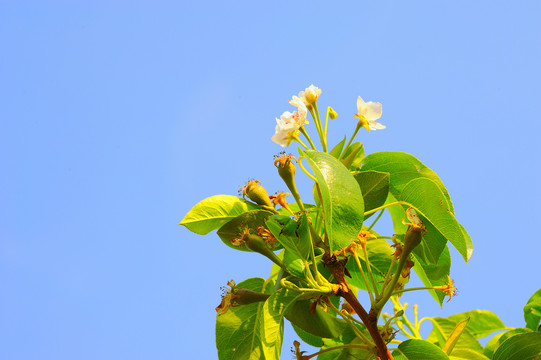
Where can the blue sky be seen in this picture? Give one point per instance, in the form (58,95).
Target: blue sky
(117,117)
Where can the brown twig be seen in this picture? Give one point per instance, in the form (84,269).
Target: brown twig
(370,320)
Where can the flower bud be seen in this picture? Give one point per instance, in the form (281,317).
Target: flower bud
(257,244)
(413,237)
(245,296)
(257,193)
(332,114)
(311,94)
(415,231)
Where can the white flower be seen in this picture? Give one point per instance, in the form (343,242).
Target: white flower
(369,113)
(309,95)
(287,127)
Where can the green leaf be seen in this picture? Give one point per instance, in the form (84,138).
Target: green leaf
(293,264)
(499,339)
(442,329)
(414,349)
(403,168)
(308,338)
(433,207)
(342,198)
(467,354)
(520,347)
(374,187)
(293,235)
(353,156)
(237,337)
(213,212)
(482,322)
(234,228)
(532,311)
(454,336)
(320,323)
(271,324)
(337,149)
(348,337)
(433,275)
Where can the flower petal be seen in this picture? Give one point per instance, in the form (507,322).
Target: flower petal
(374,125)
(361,106)
(373,110)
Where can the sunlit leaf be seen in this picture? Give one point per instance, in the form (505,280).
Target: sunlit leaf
(342,198)
(520,347)
(293,235)
(234,228)
(374,187)
(500,338)
(414,349)
(213,212)
(237,335)
(532,311)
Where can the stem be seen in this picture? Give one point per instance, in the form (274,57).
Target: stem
(369,267)
(321,133)
(303,131)
(296,138)
(388,289)
(350,320)
(385,206)
(370,320)
(370,293)
(316,120)
(305,171)
(387,276)
(396,292)
(326,121)
(357,128)
(375,221)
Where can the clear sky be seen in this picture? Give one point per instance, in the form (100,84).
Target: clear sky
(118,116)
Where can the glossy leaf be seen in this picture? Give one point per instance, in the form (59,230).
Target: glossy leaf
(320,323)
(293,235)
(342,198)
(374,187)
(234,228)
(499,339)
(532,311)
(403,168)
(520,347)
(213,212)
(414,349)
(432,206)
(237,335)
(442,329)
(482,322)
(434,274)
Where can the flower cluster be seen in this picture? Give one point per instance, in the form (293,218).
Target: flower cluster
(287,127)
(290,124)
